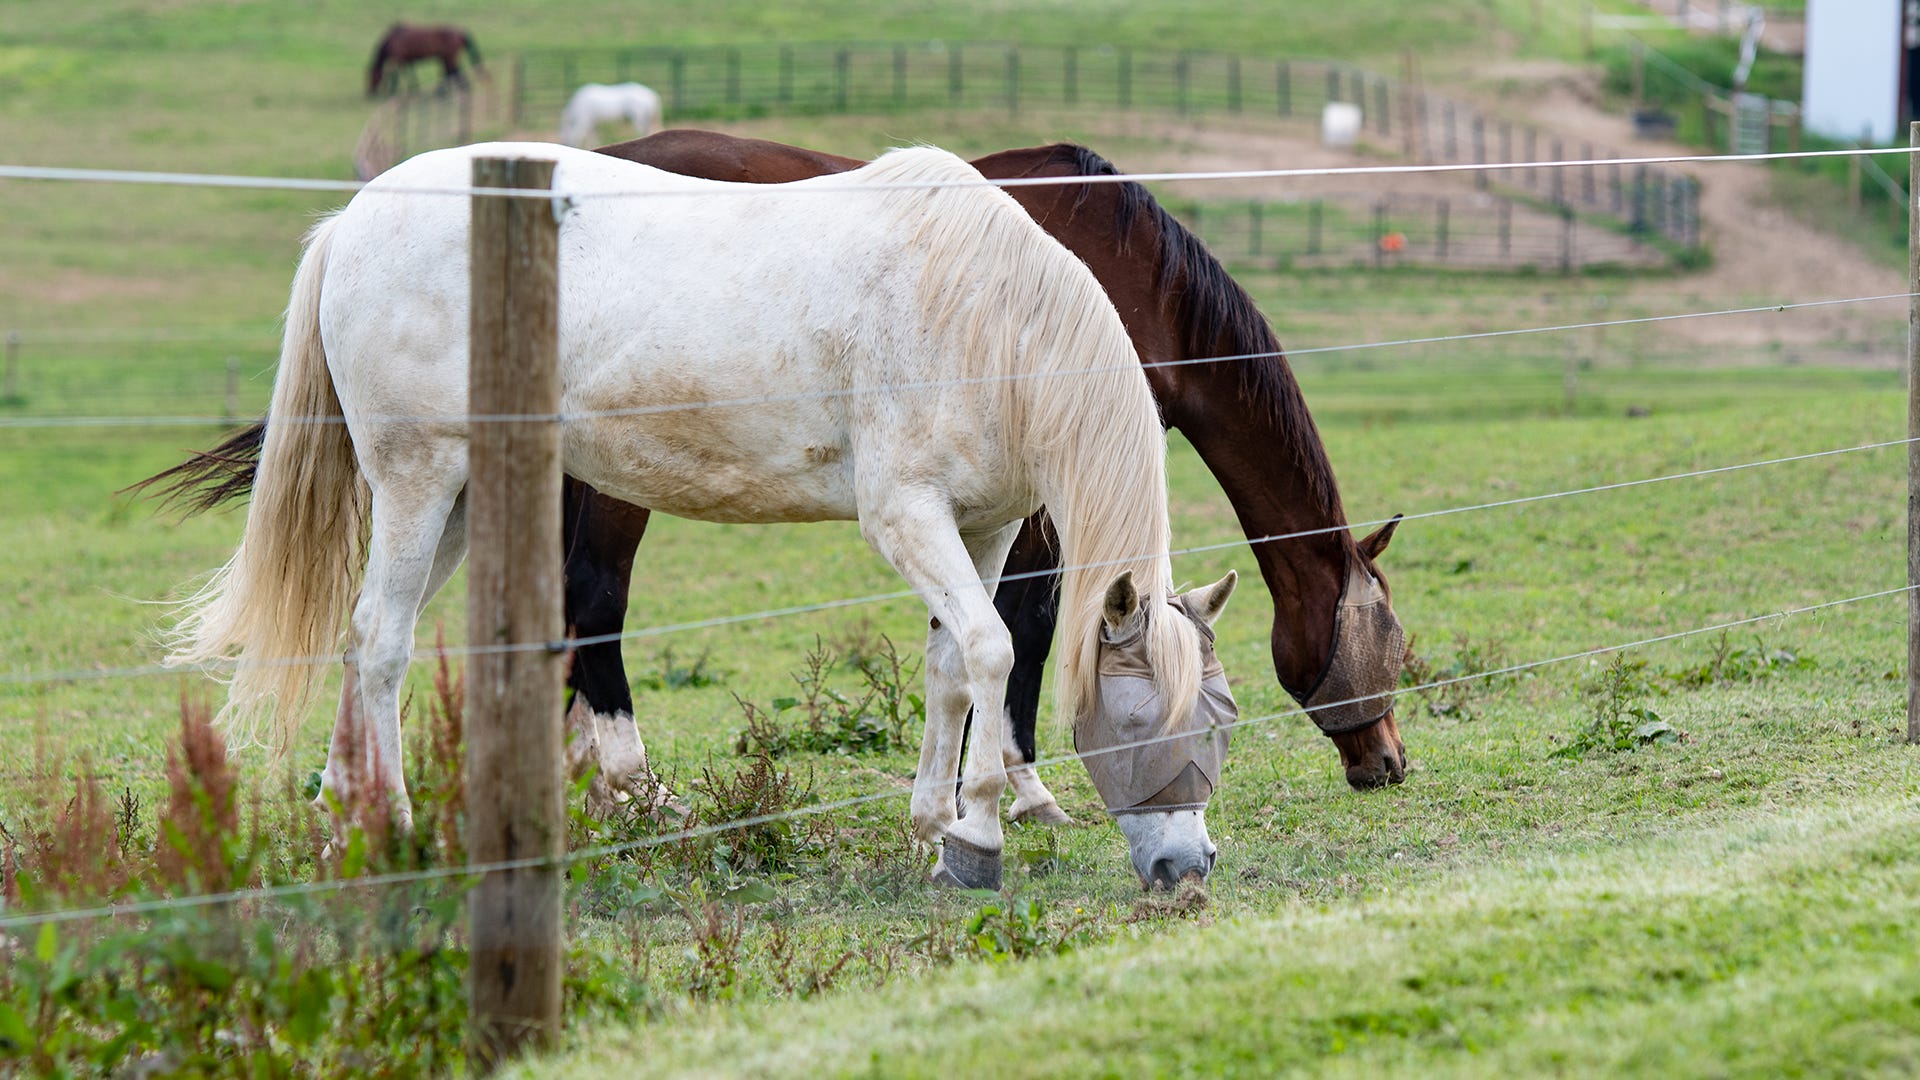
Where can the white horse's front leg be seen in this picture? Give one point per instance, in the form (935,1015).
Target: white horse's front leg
(969,654)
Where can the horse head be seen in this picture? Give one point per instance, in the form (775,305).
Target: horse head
(1352,703)
(1156,767)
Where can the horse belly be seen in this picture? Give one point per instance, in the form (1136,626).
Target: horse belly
(755,466)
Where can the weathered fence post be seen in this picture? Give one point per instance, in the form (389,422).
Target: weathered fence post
(1566,239)
(1480,150)
(513,598)
(1913,432)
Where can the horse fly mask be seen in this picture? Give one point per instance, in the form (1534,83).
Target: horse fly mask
(1138,765)
(1369,649)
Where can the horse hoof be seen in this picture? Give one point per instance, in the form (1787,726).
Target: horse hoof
(1046,813)
(964,866)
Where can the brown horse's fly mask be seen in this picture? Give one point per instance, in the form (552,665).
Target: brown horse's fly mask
(1154,779)
(1369,649)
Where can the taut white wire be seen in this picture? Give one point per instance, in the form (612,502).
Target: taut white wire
(277,183)
(21,922)
(925,384)
(561,644)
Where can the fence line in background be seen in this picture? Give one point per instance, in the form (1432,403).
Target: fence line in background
(31,920)
(562,643)
(740,81)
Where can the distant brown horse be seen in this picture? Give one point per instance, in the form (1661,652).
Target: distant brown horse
(404,44)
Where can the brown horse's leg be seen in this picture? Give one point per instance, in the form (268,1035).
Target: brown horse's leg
(1030,607)
(600,536)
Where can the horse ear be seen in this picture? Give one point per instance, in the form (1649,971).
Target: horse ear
(1376,543)
(1122,603)
(1208,601)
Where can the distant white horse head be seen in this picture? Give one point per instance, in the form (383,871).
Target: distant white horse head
(595,104)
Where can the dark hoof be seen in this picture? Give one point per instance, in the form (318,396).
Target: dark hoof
(965,866)
(1044,814)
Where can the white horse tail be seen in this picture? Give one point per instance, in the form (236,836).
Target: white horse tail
(277,606)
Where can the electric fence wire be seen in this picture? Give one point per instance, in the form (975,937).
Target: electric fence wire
(276,892)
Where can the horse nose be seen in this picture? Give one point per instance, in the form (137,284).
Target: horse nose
(1171,870)
(1390,767)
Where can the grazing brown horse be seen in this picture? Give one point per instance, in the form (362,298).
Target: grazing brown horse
(404,44)
(1335,641)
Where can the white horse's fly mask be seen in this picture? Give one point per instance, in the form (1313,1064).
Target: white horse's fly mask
(1138,765)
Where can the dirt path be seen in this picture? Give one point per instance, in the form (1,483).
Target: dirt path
(1762,255)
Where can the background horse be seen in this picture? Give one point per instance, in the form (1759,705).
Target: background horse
(1247,419)
(595,104)
(404,44)
(921,396)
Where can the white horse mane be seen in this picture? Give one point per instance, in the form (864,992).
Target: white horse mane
(1073,399)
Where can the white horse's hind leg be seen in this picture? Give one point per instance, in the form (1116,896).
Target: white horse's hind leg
(414,549)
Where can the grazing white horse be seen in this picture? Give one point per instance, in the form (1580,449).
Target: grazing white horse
(595,104)
(924,360)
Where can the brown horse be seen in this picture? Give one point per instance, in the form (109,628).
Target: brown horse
(404,44)
(1334,639)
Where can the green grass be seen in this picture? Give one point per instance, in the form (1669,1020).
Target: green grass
(1773,945)
(1623,910)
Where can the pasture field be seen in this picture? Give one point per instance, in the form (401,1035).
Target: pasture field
(1724,898)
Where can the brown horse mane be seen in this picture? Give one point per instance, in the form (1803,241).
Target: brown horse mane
(1216,315)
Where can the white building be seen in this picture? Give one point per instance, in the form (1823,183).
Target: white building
(1858,76)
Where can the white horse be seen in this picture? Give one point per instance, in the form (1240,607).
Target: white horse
(924,360)
(595,104)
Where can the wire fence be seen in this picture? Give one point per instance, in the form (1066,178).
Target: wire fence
(731,81)
(1247,232)
(30,920)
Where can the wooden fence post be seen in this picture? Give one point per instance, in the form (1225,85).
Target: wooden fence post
(513,596)
(1913,432)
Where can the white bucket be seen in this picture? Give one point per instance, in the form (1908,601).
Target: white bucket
(1340,124)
